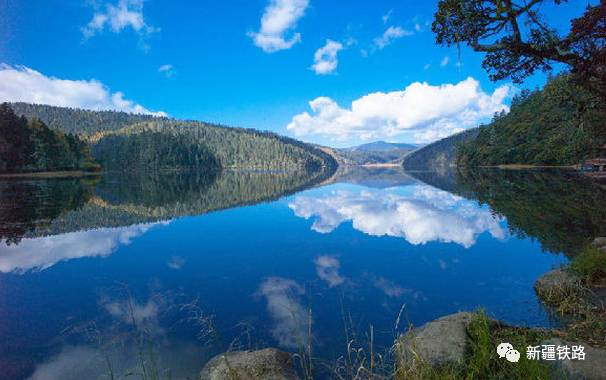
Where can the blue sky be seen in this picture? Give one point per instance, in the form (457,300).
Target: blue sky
(221,65)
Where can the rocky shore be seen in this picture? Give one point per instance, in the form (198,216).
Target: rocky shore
(464,342)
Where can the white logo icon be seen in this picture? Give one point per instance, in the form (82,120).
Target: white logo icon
(506,350)
(503,348)
(513,356)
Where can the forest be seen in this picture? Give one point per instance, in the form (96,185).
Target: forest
(121,141)
(31,146)
(438,155)
(80,121)
(562,124)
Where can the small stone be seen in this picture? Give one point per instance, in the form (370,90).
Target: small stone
(266,364)
(438,342)
(592,368)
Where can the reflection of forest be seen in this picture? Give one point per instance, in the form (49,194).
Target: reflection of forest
(561,209)
(32,204)
(48,207)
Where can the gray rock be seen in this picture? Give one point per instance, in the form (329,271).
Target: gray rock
(266,364)
(592,368)
(438,342)
(600,243)
(556,285)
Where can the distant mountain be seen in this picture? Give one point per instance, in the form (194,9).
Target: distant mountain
(378,152)
(122,141)
(440,154)
(382,146)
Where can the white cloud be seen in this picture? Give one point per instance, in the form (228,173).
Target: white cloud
(392,33)
(327,268)
(444,61)
(279,17)
(126,14)
(421,112)
(387,16)
(168,70)
(44,252)
(22,84)
(427,214)
(88,362)
(325,58)
(391,289)
(131,312)
(284,307)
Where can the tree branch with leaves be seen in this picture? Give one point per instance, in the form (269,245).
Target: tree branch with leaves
(518,41)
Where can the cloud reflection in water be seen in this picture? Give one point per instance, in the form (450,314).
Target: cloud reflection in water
(44,252)
(285,308)
(426,214)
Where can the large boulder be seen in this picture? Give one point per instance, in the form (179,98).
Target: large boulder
(592,368)
(439,342)
(266,364)
(556,285)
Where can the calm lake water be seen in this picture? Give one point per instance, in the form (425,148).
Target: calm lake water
(100,274)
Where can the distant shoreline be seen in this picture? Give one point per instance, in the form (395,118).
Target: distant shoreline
(58,174)
(527,166)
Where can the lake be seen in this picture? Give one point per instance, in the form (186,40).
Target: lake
(101,274)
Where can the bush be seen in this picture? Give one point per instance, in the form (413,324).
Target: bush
(591,265)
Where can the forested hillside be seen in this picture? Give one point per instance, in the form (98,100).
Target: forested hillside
(125,141)
(31,146)
(439,154)
(74,120)
(562,124)
(153,150)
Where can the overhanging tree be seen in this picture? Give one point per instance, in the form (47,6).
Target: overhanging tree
(518,41)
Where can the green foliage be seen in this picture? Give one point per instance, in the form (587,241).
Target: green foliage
(590,264)
(482,361)
(79,121)
(152,151)
(229,147)
(438,155)
(563,124)
(33,147)
(517,39)
(145,141)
